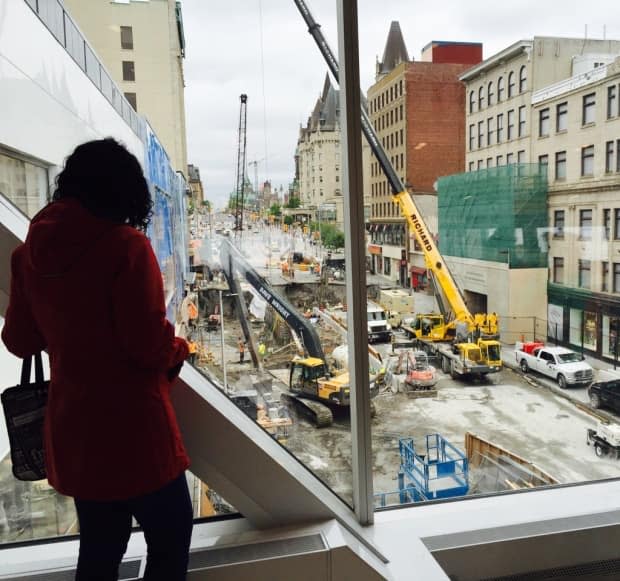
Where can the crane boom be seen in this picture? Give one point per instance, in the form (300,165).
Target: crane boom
(433,259)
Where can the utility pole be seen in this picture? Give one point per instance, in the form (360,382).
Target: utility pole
(241,154)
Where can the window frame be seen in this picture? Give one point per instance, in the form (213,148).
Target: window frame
(522,79)
(560,161)
(128,70)
(521,121)
(501,87)
(559,223)
(604,276)
(127,43)
(544,121)
(511,84)
(613,106)
(609,156)
(510,124)
(587,158)
(490,94)
(558,268)
(584,270)
(616,277)
(588,109)
(561,117)
(586,216)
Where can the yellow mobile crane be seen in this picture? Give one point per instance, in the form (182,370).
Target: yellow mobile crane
(465,343)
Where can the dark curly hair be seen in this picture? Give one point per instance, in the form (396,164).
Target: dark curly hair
(108,181)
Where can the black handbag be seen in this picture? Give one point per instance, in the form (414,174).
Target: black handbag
(24,410)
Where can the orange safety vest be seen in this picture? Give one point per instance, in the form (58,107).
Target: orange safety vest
(241,346)
(192,346)
(192,310)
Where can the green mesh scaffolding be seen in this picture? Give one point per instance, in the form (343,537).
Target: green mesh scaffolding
(497,214)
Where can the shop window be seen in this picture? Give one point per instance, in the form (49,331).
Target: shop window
(611,327)
(589,330)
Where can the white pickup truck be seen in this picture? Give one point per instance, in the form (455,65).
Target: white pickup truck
(559,363)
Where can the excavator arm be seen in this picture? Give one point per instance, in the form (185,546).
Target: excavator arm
(433,259)
(233,260)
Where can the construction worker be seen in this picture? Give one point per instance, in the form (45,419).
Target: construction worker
(193,350)
(241,345)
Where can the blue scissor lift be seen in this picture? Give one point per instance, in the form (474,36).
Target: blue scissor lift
(441,472)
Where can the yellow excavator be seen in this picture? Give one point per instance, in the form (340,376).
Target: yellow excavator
(466,343)
(314,389)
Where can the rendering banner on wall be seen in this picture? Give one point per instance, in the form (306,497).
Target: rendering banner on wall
(167,229)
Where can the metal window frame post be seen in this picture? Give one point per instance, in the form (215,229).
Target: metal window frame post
(355,251)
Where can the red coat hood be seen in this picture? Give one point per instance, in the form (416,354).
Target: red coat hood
(61,235)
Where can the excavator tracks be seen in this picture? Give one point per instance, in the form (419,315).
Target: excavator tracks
(320,415)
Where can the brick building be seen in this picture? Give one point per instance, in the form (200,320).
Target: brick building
(417,109)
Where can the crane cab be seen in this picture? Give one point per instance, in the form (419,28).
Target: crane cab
(430,326)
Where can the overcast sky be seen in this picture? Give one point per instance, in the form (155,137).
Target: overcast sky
(283,79)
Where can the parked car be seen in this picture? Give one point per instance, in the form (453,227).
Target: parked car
(605,394)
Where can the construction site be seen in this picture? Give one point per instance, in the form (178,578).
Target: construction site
(441,426)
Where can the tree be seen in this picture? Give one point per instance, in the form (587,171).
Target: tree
(275,210)
(293,202)
(288,220)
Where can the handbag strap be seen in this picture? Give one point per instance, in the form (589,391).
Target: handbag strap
(27,366)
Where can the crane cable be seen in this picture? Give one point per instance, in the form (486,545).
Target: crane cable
(262,66)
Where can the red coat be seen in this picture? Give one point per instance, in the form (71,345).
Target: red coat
(91,293)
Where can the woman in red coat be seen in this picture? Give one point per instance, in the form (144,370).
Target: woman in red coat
(87,287)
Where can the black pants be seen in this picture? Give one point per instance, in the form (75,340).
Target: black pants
(166,519)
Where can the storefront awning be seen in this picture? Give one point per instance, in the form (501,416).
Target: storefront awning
(418,270)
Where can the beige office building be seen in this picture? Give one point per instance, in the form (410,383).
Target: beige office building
(141,44)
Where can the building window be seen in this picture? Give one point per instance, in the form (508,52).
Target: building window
(500,89)
(511,84)
(618,155)
(131,97)
(472,137)
(560,165)
(609,157)
(479,165)
(543,122)
(616,288)
(471,166)
(585,224)
(511,124)
(617,224)
(543,162)
(480,98)
(606,223)
(612,101)
(561,117)
(499,160)
(490,94)
(558,269)
(129,71)
(489,162)
(490,130)
(604,276)
(588,108)
(127,37)
(510,158)
(584,273)
(521,156)
(587,160)
(522,79)
(472,101)
(558,224)
(522,121)
(480,134)
(500,127)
